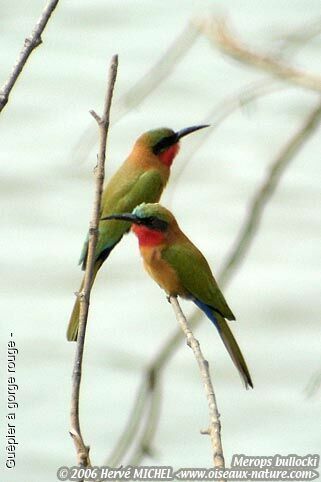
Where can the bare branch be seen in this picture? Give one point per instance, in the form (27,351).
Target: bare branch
(264,193)
(146,396)
(219,34)
(84,296)
(313,385)
(240,249)
(221,111)
(144,86)
(30,44)
(298,37)
(214,430)
(144,446)
(253,220)
(134,419)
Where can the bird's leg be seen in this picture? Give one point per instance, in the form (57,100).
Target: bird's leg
(168,297)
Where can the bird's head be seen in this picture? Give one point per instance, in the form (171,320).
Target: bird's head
(151,223)
(164,142)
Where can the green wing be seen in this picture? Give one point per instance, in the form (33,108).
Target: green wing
(196,277)
(123,194)
(145,187)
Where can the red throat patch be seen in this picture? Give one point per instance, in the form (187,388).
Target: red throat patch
(167,156)
(148,237)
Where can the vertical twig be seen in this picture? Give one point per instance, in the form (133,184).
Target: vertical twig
(84,295)
(30,44)
(232,262)
(214,430)
(240,248)
(247,232)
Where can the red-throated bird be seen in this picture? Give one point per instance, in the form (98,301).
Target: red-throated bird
(176,264)
(141,178)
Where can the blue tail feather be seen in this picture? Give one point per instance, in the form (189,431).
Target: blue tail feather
(208,310)
(228,339)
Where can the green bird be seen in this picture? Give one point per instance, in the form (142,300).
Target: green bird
(141,178)
(178,266)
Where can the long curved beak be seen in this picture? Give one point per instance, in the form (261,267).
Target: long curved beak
(189,130)
(132,218)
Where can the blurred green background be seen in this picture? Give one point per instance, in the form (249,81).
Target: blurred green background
(46,198)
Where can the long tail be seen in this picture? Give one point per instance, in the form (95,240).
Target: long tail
(72,330)
(228,340)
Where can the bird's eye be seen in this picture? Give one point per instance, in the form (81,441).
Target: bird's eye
(152,221)
(156,223)
(165,143)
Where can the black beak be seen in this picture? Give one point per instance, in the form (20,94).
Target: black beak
(189,130)
(174,138)
(132,218)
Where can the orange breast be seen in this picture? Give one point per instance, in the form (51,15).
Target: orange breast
(164,275)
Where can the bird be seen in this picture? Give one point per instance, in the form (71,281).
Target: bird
(141,178)
(180,268)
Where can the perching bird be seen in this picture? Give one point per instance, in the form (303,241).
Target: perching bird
(141,178)
(176,264)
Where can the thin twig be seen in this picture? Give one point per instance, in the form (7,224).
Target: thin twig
(240,249)
(145,407)
(264,193)
(151,418)
(220,112)
(137,413)
(214,430)
(132,425)
(158,72)
(218,33)
(297,38)
(143,87)
(84,296)
(314,384)
(251,224)
(30,44)
(217,115)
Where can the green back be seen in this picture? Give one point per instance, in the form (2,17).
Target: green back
(124,192)
(195,275)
